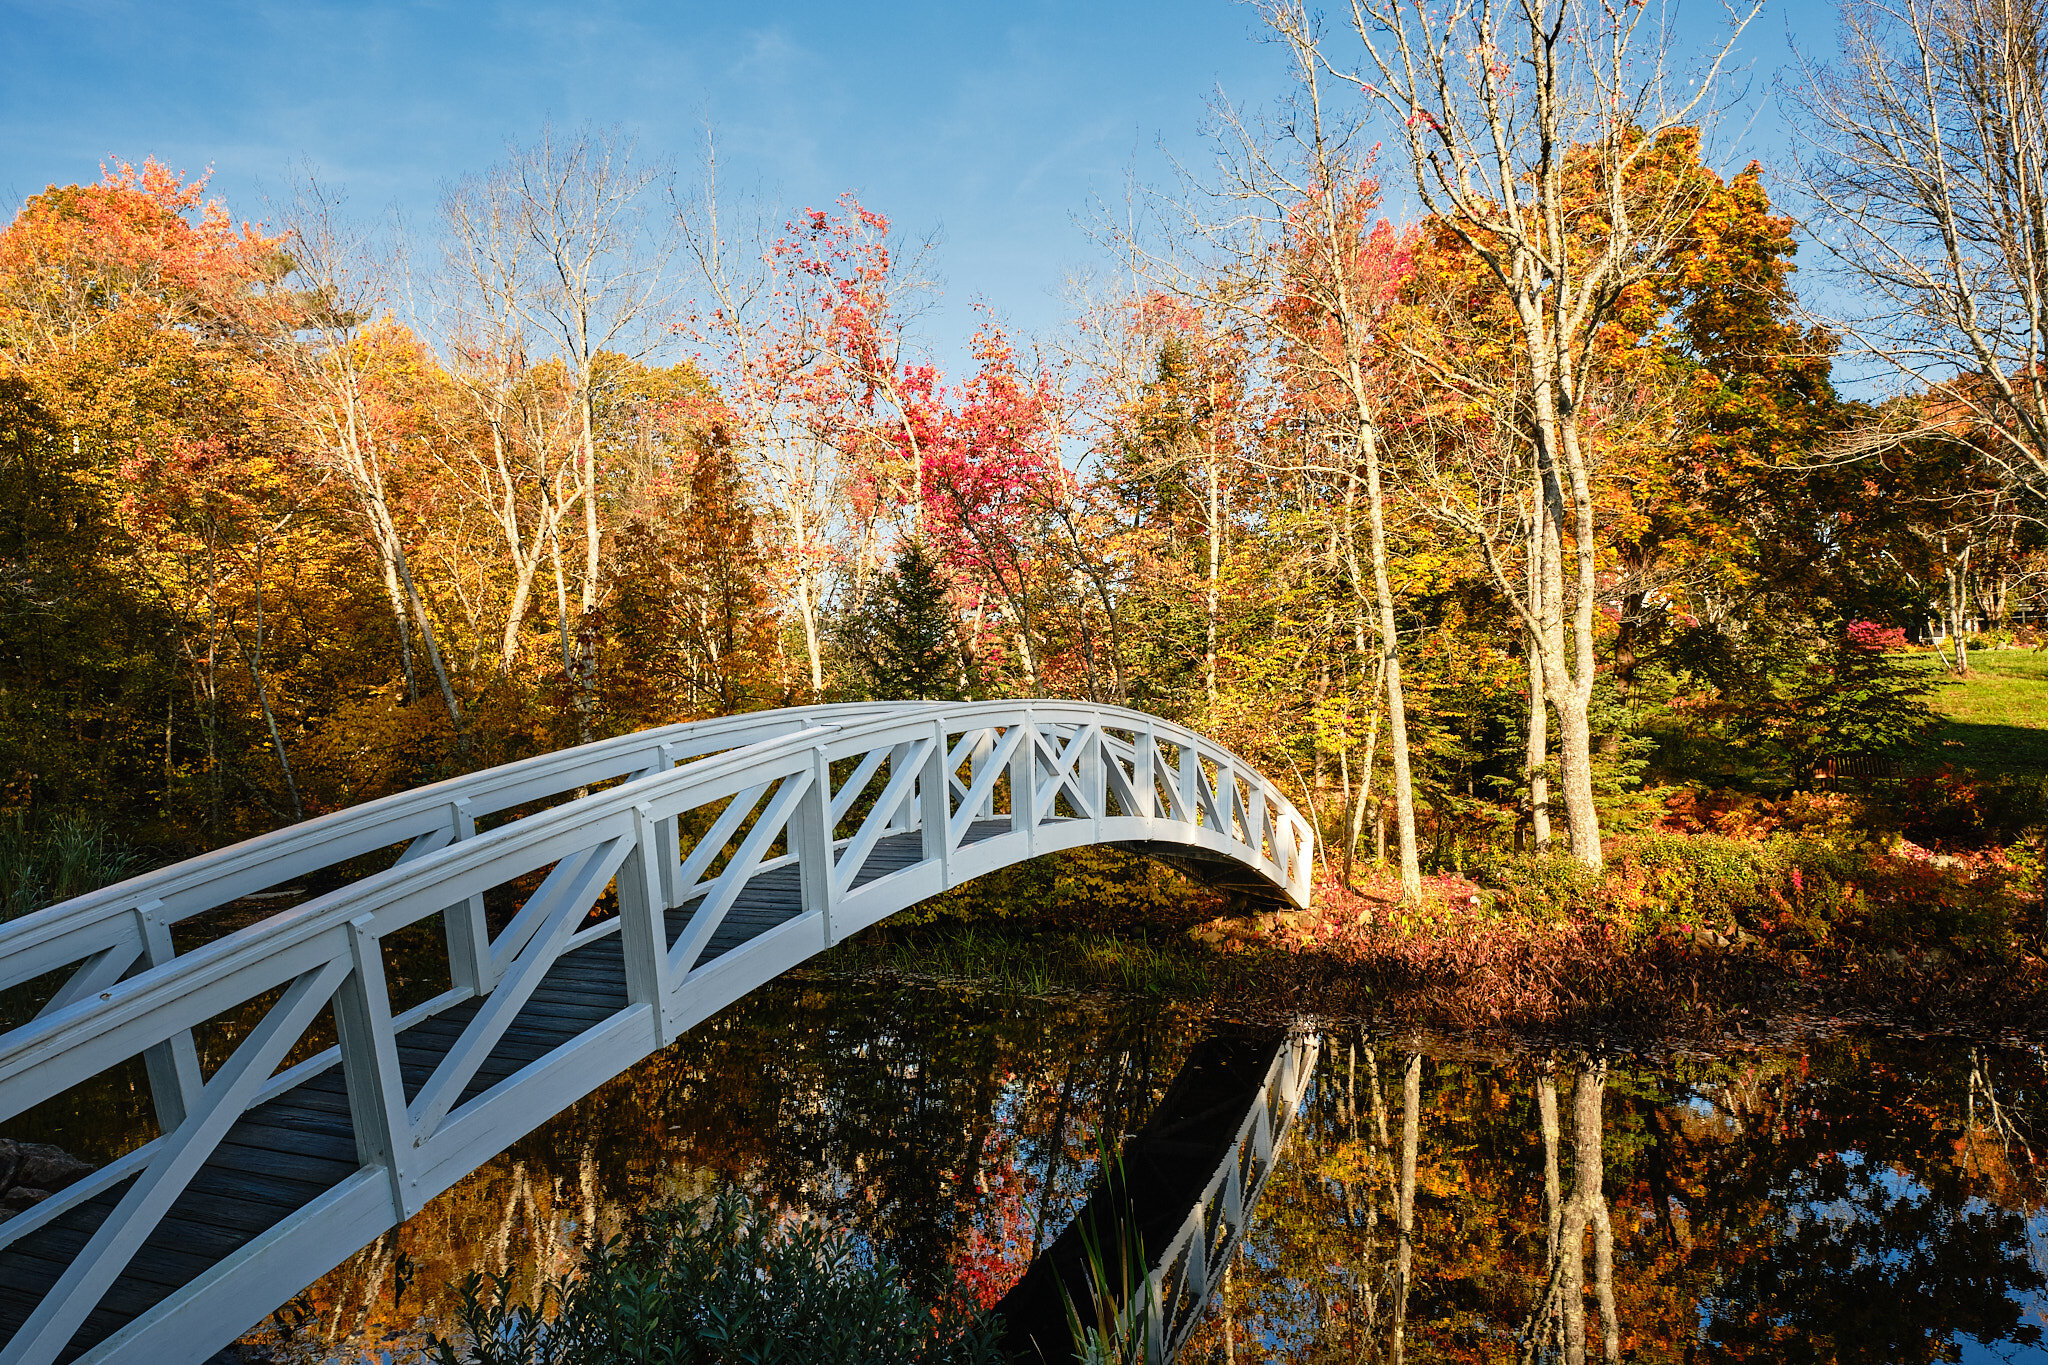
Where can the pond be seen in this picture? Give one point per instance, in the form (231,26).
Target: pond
(1834,1196)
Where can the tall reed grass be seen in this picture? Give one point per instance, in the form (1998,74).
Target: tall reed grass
(44,861)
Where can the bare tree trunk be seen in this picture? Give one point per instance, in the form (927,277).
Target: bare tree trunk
(254,655)
(808,611)
(396,595)
(586,629)
(1215,574)
(1390,653)
(1568,662)
(376,508)
(579,203)
(562,630)
(330,395)
(1404,1209)
(1372,739)
(1588,1167)
(1538,760)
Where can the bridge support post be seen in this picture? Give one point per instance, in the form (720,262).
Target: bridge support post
(977,763)
(904,818)
(467,932)
(1091,777)
(935,805)
(1024,784)
(172,1065)
(643,925)
(369,1065)
(810,838)
(1145,772)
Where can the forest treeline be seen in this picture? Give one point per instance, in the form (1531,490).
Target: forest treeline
(1512,514)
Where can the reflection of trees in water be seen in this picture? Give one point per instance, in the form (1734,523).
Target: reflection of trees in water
(1861,1201)
(955,1132)
(1556,1329)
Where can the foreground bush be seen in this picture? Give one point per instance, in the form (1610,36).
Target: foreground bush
(714,1282)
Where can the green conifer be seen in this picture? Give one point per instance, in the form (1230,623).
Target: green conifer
(910,644)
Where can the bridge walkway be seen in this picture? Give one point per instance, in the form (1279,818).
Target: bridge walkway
(282,1155)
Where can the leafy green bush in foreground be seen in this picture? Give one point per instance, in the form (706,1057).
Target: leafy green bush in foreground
(714,1282)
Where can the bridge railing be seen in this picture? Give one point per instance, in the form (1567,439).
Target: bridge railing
(977,785)
(1186,1271)
(107,934)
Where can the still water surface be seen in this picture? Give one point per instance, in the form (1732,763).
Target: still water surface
(1840,1197)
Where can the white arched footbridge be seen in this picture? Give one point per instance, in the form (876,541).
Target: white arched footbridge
(301,1111)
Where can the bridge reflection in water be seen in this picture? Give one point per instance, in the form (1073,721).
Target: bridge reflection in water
(1181,1191)
(632,890)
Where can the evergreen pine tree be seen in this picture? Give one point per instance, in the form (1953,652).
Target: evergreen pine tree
(909,642)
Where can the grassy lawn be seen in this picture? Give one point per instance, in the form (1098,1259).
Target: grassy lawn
(1997,720)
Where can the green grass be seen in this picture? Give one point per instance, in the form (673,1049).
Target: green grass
(1996,720)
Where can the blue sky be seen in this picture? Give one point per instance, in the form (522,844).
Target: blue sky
(992,124)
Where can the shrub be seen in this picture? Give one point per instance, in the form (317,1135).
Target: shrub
(1789,892)
(1762,707)
(714,1282)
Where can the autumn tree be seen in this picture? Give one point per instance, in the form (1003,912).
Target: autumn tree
(772,333)
(143,320)
(342,336)
(1284,243)
(561,234)
(1528,131)
(993,480)
(529,477)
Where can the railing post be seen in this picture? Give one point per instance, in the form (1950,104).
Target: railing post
(173,1064)
(1089,775)
(643,921)
(934,795)
(1190,774)
(668,844)
(904,817)
(1145,772)
(810,839)
(1024,783)
(1236,821)
(369,1066)
(977,763)
(467,932)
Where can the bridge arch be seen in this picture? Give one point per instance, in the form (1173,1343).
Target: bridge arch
(580,938)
